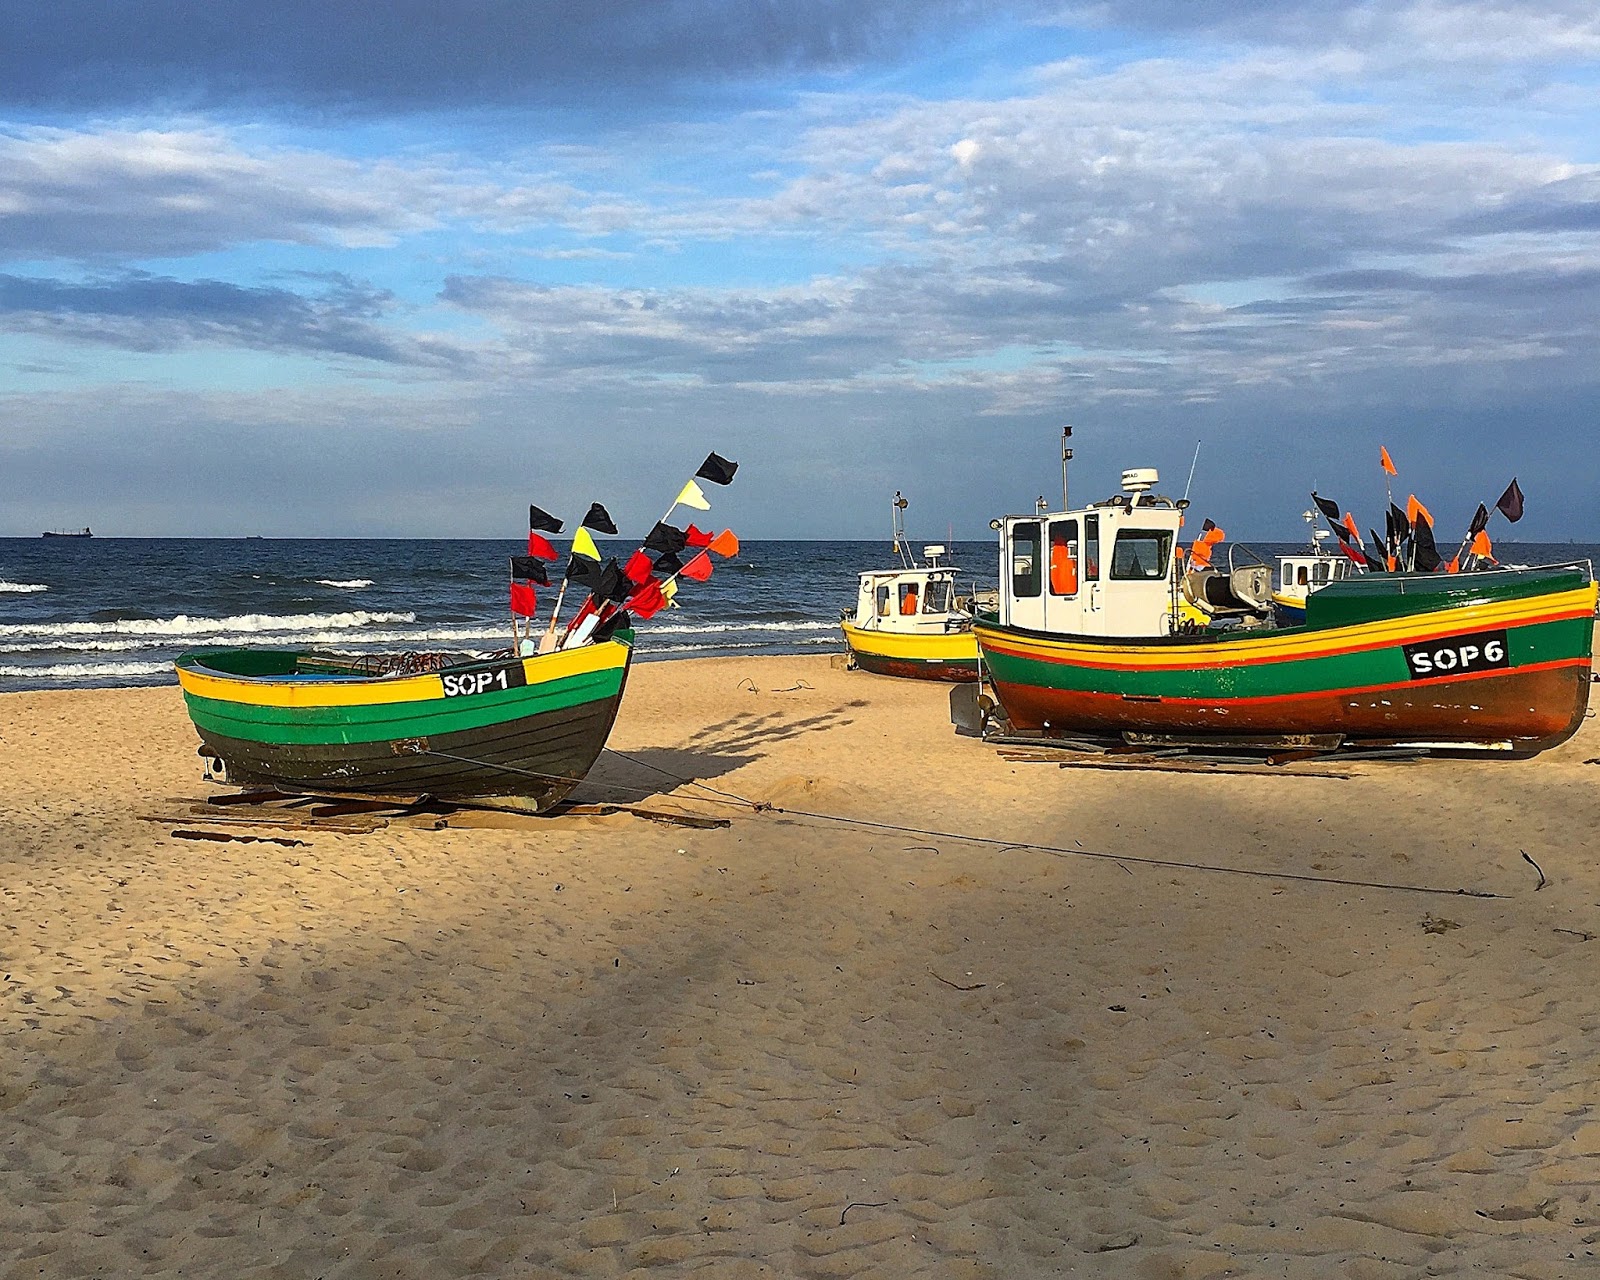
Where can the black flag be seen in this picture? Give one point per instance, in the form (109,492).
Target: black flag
(666,539)
(1329,509)
(584,571)
(611,584)
(668,563)
(542,520)
(531,568)
(1428,559)
(1480,521)
(1372,561)
(599,519)
(1510,504)
(717,469)
(615,623)
(1397,524)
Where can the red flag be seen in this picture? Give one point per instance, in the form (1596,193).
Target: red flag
(698,569)
(1386,461)
(647,601)
(725,544)
(697,538)
(523,601)
(637,570)
(540,546)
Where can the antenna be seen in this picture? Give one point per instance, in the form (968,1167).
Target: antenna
(1192,466)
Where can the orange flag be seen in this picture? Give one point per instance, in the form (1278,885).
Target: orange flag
(725,544)
(1350,524)
(1481,546)
(1386,460)
(1413,508)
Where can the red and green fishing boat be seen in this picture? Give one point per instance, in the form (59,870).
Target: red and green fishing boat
(1496,659)
(529,727)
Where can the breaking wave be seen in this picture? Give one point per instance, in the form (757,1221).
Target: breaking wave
(23,588)
(349,584)
(88,670)
(254,624)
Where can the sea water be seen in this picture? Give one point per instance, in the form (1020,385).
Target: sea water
(96,612)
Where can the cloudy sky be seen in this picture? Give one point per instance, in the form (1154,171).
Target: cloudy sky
(330,267)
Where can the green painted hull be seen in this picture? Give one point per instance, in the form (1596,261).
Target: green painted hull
(274,725)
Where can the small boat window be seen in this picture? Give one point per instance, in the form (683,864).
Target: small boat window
(1141,555)
(883,601)
(1025,577)
(1063,557)
(936,596)
(1321,575)
(1091,549)
(1300,577)
(908,599)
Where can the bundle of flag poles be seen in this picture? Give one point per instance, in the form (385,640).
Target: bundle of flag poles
(1408,542)
(615,592)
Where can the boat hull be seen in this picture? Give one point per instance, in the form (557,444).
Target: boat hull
(951,657)
(530,728)
(1504,662)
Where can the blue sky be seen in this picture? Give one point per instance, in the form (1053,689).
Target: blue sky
(349,269)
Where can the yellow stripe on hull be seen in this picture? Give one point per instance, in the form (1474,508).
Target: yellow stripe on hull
(369,691)
(953,646)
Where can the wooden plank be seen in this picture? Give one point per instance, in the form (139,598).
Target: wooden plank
(1176,766)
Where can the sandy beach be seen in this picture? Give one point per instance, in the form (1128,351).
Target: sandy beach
(601,1046)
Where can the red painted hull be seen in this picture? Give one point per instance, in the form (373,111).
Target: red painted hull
(1538,709)
(949,672)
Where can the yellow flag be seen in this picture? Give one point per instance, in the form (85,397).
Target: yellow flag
(692,497)
(669,589)
(583,544)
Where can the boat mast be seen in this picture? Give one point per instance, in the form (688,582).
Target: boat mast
(1066,457)
(897,513)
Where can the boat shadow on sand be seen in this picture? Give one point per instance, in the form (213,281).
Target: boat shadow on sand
(710,752)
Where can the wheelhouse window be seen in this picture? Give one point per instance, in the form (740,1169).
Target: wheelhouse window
(1026,578)
(1090,571)
(1141,555)
(1064,557)
(883,602)
(908,599)
(936,598)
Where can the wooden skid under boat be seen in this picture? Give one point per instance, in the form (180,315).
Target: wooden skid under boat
(530,727)
(951,656)
(1495,656)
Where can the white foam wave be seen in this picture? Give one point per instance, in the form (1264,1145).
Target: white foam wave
(350,584)
(713,647)
(23,588)
(712,628)
(87,670)
(184,626)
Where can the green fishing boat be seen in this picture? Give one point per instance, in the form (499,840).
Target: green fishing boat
(1495,659)
(530,727)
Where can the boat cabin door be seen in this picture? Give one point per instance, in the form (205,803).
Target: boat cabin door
(1052,573)
(1105,572)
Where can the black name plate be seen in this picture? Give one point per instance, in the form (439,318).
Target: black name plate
(1457,655)
(465,684)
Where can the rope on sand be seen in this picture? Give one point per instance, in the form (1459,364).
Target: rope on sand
(719,796)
